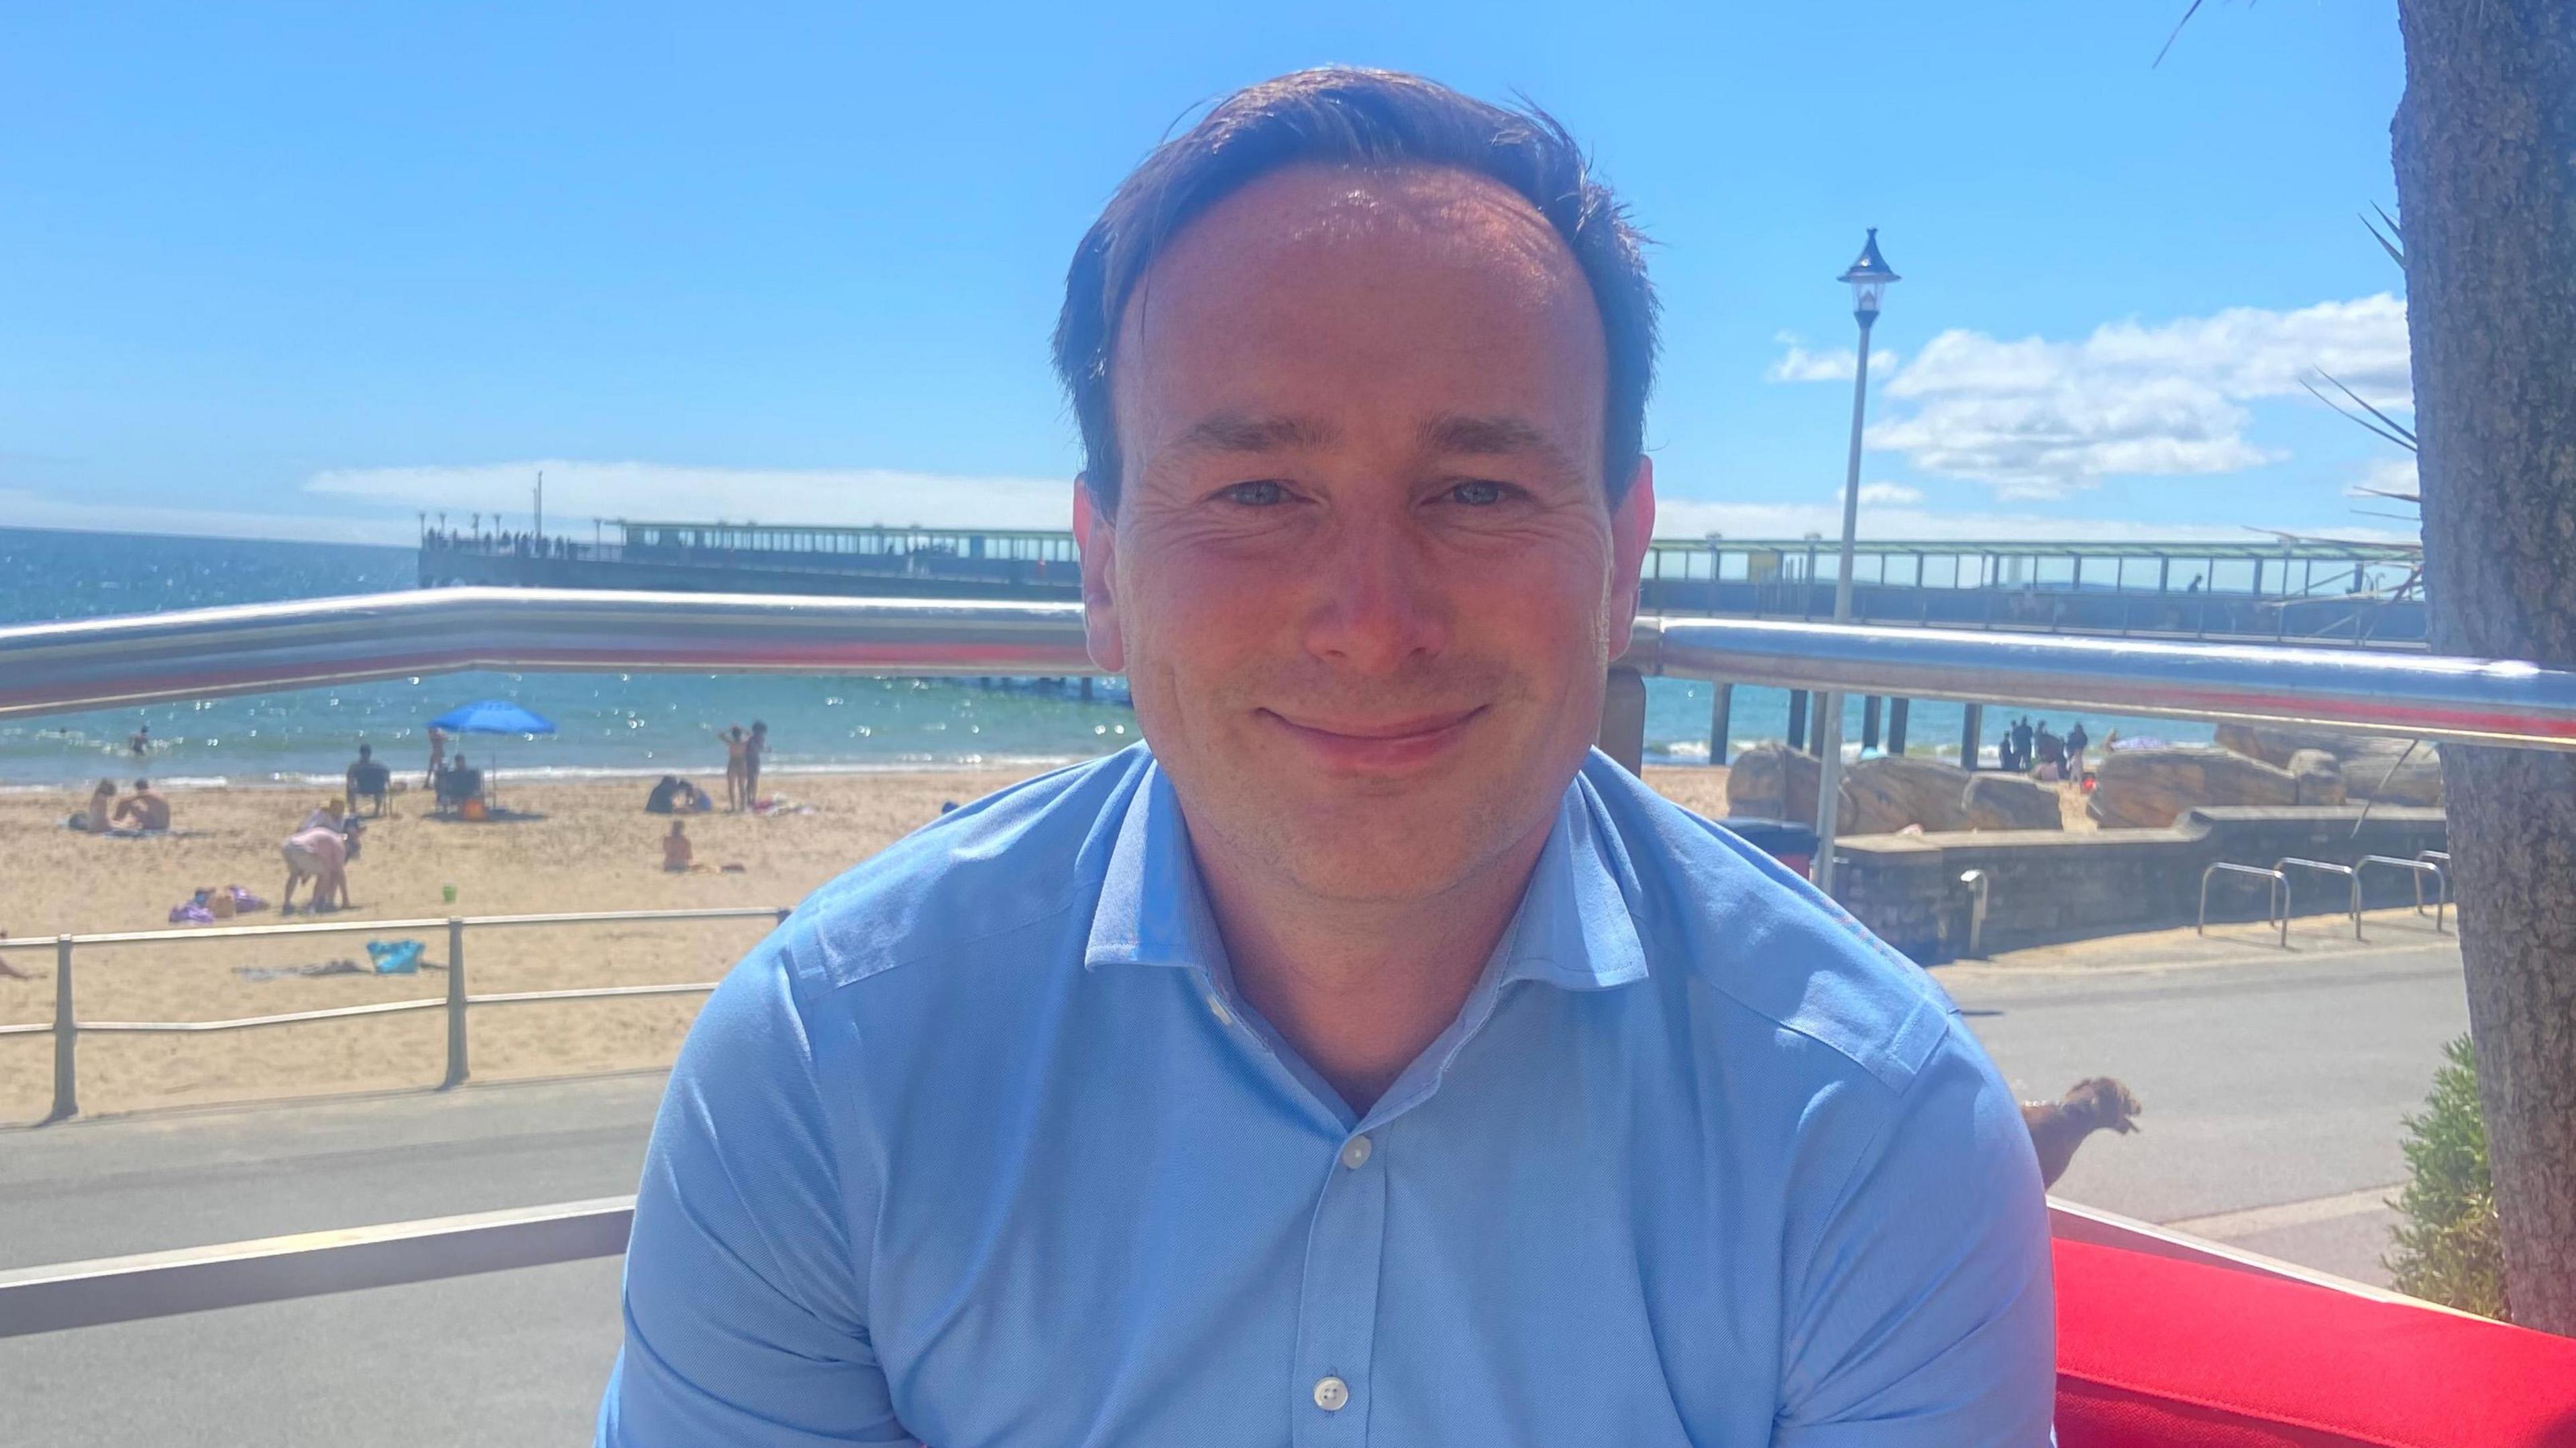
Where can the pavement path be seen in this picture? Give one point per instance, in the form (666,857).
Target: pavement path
(2273,1082)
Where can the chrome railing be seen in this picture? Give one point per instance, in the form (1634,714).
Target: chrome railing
(195,654)
(199,653)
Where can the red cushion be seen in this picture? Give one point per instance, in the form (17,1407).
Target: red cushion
(2154,1352)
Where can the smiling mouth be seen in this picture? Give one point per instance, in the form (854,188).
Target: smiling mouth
(1378,744)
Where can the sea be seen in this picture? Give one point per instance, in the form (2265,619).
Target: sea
(610,725)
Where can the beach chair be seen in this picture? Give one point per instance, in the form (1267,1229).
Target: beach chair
(369,779)
(457,786)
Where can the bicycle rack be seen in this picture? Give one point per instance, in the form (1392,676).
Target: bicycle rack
(2351,877)
(2416,870)
(2278,912)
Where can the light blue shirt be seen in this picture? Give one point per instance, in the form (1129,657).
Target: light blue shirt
(983,1147)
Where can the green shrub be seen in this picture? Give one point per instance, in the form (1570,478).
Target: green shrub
(2446,1246)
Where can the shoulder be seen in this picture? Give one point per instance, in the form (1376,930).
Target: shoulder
(1032,852)
(1766,947)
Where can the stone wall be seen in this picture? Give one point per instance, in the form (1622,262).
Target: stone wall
(2046,886)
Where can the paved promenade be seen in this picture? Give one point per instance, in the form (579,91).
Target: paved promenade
(2273,1085)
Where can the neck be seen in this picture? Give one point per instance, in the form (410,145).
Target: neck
(1360,988)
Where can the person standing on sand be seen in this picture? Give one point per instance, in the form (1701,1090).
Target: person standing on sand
(753,749)
(736,743)
(1363,1058)
(437,756)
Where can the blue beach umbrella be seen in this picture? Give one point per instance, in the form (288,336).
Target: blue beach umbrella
(492,716)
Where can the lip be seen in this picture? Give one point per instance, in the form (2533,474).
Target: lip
(1378,745)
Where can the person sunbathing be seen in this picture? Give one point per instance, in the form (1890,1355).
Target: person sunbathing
(678,855)
(143,811)
(93,818)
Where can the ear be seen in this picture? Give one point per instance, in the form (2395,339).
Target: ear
(1095,533)
(1632,528)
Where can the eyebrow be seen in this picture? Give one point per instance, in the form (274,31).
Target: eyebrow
(1236,432)
(1459,435)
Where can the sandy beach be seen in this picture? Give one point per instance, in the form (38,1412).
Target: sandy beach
(586,846)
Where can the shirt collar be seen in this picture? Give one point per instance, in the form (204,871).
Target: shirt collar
(1575,927)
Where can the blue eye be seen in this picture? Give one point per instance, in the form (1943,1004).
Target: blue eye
(1477,493)
(1262,493)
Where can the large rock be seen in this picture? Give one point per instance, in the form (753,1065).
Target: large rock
(1882,796)
(2374,768)
(2318,777)
(2148,788)
(1771,781)
(2009,802)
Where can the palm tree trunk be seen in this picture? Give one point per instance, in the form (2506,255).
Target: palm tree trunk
(2486,188)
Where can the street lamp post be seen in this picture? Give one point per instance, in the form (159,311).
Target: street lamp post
(1869,278)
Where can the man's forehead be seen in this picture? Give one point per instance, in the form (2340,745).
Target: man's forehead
(1362,276)
(1320,219)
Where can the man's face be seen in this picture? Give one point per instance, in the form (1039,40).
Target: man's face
(1364,578)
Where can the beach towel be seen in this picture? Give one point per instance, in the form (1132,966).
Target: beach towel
(282,972)
(191,912)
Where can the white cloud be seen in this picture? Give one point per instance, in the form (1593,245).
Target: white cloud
(24,509)
(1797,364)
(2386,475)
(584,490)
(2039,419)
(1883,494)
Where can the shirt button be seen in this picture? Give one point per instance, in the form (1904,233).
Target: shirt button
(1331,1393)
(1355,1152)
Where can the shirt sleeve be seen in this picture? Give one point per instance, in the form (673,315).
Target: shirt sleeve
(1924,1315)
(743,1303)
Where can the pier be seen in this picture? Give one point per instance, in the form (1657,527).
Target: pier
(2305,591)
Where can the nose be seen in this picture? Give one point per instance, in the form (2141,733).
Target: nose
(1376,602)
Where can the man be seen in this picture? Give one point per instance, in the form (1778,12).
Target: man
(753,749)
(437,757)
(1364,1060)
(367,778)
(2076,739)
(143,810)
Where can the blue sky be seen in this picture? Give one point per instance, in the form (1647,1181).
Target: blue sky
(302,270)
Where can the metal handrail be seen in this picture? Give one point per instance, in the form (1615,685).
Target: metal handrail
(147,1285)
(202,653)
(2351,876)
(67,1028)
(2277,911)
(2416,870)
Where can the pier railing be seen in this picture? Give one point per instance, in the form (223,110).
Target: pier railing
(94,663)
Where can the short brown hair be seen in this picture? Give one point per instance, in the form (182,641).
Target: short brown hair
(1340,115)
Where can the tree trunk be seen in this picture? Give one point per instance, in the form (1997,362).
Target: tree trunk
(2486,190)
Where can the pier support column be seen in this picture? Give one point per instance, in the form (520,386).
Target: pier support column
(1896,711)
(1797,719)
(1869,706)
(1623,719)
(1972,726)
(1086,688)
(1721,720)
